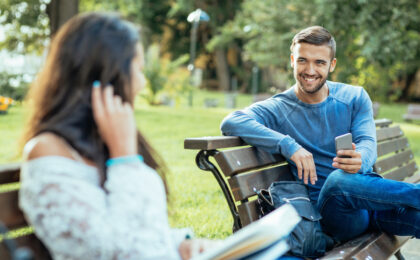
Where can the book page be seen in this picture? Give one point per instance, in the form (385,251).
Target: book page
(258,235)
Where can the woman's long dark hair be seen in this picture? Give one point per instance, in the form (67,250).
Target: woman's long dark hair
(88,47)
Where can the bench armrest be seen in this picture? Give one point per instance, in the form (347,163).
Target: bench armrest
(383,122)
(216,142)
(212,142)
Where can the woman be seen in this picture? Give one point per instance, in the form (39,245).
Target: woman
(85,187)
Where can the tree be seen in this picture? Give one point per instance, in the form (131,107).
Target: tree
(28,24)
(378,44)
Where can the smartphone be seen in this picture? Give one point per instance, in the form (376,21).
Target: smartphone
(344,142)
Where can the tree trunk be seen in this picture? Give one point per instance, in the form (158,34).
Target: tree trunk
(59,11)
(222,69)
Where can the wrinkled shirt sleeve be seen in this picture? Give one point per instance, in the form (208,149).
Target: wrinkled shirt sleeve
(364,131)
(254,125)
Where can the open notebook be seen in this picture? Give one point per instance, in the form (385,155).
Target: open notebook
(262,239)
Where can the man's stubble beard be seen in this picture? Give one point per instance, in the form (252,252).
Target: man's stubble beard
(317,88)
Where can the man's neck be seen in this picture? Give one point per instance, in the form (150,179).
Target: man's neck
(314,98)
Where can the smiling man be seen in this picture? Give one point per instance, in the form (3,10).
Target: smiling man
(301,124)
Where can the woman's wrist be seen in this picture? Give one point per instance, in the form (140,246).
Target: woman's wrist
(133,158)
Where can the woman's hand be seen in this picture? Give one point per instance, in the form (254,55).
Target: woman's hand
(192,247)
(115,121)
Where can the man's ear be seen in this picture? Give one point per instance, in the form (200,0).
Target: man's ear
(332,65)
(292,60)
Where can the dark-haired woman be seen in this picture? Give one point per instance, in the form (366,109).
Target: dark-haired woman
(89,184)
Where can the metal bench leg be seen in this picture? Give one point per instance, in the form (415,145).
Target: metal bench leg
(203,162)
(399,256)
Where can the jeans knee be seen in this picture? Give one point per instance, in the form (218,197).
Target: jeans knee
(335,180)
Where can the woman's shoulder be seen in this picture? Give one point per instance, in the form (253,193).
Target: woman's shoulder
(48,152)
(45,144)
(49,144)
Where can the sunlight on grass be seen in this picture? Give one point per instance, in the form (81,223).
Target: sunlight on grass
(196,200)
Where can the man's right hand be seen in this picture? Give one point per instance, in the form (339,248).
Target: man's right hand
(305,164)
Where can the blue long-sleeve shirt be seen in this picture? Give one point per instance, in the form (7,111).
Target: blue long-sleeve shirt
(283,124)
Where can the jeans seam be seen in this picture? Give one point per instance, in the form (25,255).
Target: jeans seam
(354,196)
(398,222)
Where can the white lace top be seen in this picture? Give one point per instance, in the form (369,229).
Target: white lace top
(77,219)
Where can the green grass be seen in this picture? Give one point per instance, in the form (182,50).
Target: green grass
(195,198)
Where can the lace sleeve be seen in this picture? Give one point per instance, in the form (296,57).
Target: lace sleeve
(77,219)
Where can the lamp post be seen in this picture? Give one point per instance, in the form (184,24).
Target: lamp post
(194,17)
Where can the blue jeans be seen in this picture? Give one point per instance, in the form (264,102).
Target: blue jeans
(351,204)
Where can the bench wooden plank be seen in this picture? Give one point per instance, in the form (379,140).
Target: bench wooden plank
(413,112)
(248,212)
(212,142)
(401,173)
(388,133)
(10,214)
(9,173)
(242,185)
(413,179)
(366,245)
(382,247)
(346,250)
(383,122)
(392,146)
(30,241)
(388,163)
(245,159)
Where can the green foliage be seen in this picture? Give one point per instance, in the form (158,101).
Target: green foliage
(378,46)
(25,24)
(16,91)
(160,76)
(195,198)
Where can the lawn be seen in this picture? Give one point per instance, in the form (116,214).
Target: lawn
(195,198)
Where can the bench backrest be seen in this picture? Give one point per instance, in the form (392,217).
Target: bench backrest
(246,168)
(12,217)
(413,109)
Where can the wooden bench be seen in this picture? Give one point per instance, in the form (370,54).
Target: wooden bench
(413,112)
(375,108)
(12,217)
(245,167)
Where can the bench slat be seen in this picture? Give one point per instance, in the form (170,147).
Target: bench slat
(10,215)
(9,173)
(245,159)
(388,133)
(248,212)
(382,122)
(346,250)
(242,184)
(413,179)
(365,246)
(392,146)
(212,142)
(403,172)
(388,163)
(382,247)
(30,241)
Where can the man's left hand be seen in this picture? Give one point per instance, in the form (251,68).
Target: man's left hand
(350,165)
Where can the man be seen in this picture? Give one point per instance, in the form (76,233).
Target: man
(302,122)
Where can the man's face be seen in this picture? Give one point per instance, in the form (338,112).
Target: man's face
(311,65)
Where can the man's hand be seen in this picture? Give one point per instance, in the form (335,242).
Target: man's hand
(305,164)
(350,165)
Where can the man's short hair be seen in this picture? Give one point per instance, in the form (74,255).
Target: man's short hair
(316,35)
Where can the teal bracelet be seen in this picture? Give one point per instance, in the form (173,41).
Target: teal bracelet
(124,159)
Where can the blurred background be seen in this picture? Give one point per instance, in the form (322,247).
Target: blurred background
(235,46)
(205,58)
